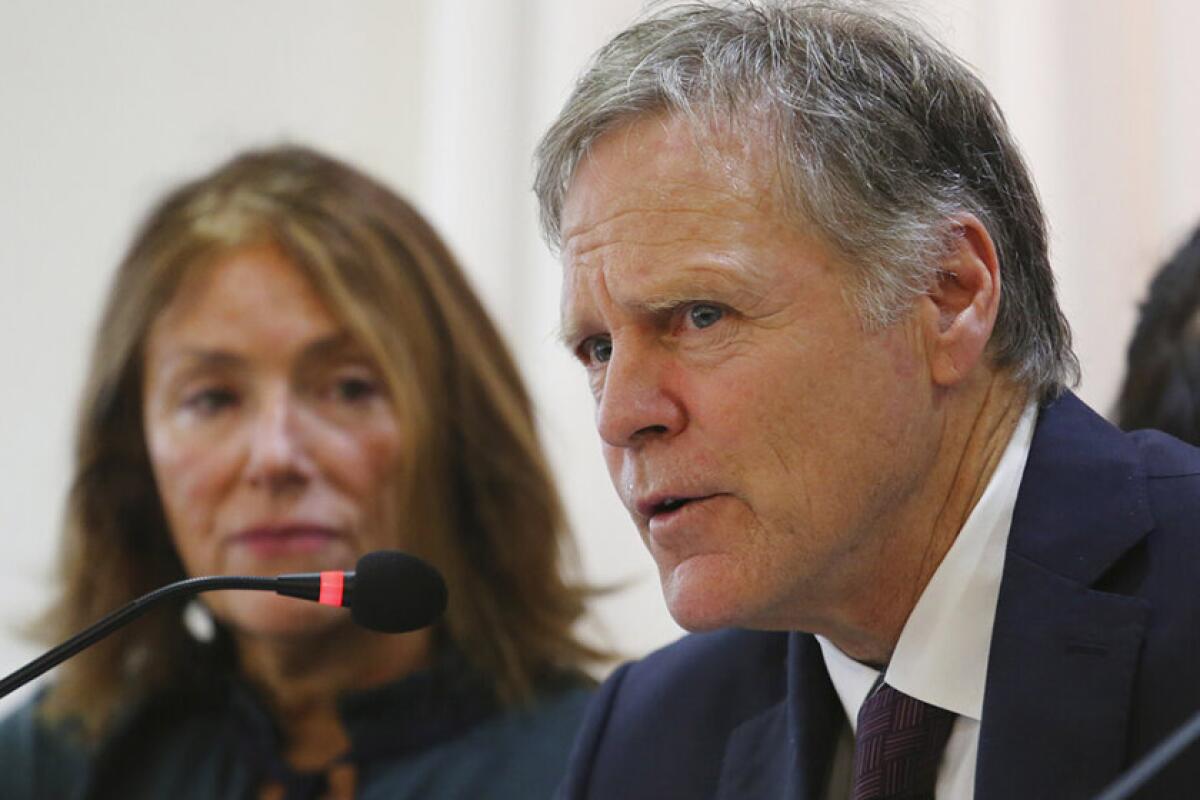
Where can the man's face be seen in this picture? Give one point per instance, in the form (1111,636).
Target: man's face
(762,439)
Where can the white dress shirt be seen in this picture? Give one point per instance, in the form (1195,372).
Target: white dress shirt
(942,654)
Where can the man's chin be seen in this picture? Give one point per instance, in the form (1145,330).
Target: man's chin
(698,624)
(700,603)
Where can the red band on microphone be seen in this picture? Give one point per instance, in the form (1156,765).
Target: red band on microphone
(333,584)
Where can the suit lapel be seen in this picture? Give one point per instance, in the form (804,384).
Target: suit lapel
(786,751)
(1060,675)
(1064,654)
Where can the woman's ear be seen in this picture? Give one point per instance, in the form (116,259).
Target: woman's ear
(962,302)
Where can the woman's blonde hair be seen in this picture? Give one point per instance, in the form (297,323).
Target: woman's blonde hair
(479,499)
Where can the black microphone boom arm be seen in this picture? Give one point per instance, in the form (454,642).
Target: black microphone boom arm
(123,616)
(387,592)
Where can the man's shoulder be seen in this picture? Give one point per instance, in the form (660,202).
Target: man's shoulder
(1073,430)
(1166,457)
(1081,462)
(1172,471)
(733,668)
(662,724)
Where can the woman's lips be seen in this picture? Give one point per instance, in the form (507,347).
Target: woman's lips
(268,541)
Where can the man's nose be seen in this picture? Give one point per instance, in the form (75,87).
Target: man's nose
(277,458)
(638,402)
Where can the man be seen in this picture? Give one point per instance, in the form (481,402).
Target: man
(806,274)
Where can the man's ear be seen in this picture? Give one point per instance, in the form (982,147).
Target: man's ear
(963,302)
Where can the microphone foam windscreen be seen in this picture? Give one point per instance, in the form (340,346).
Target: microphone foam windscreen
(396,592)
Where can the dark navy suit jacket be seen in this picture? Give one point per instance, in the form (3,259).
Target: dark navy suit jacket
(1095,653)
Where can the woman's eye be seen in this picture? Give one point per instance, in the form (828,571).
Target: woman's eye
(210,401)
(596,350)
(355,389)
(702,315)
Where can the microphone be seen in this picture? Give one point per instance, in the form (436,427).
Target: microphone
(1153,762)
(388,591)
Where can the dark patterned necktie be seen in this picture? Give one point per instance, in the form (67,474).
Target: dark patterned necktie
(897,746)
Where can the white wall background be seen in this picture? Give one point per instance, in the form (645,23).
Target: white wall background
(104,106)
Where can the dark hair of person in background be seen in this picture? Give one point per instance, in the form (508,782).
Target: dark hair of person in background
(475,488)
(1162,376)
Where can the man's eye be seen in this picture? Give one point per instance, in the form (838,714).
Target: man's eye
(702,315)
(596,350)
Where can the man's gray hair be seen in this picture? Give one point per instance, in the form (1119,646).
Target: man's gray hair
(882,137)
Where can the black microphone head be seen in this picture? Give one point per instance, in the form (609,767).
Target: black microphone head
(395,592)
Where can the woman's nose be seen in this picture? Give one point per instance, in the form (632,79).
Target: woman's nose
(277,458)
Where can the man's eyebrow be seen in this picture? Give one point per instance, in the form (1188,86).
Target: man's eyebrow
(738,286)
(567,334)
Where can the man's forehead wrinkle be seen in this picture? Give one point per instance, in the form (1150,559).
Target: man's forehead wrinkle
(590,251)
(582,240)
(630,177)
(725,280)
(642,288)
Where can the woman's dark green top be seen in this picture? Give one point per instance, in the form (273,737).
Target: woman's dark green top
(437,734)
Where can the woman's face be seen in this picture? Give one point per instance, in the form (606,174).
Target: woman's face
(272,437)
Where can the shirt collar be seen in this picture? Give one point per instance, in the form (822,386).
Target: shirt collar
(941,656)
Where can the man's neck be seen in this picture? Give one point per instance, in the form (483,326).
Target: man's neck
(975,431)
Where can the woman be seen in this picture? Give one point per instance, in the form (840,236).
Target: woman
(291,371)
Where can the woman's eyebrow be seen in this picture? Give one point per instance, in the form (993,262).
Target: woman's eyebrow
(340,344)
(193,359)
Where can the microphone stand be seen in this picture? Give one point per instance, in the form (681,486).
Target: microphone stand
(122,616)
(1153,762)
(387,592)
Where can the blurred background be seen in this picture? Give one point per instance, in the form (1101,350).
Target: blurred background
(105,106)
